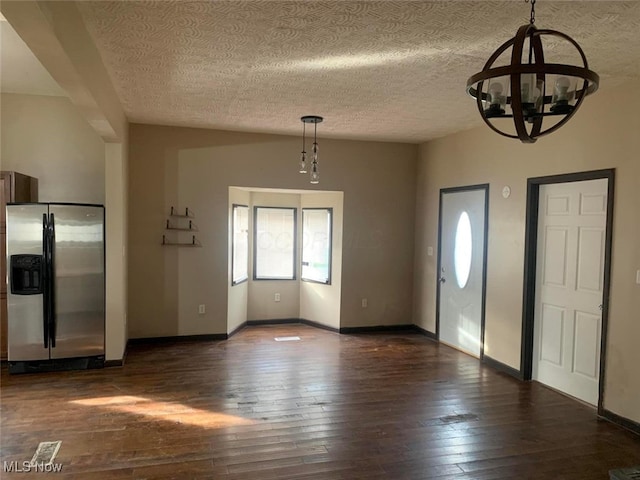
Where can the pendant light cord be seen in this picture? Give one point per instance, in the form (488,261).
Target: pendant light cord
(304,128)
(315,143)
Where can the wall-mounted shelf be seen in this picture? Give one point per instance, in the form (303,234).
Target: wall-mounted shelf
(194,242)
(189,228)
(186,214)
(180,226)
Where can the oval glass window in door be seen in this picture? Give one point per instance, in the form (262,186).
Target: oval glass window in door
(462,250)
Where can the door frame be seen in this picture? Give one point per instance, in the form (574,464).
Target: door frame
(530,263)
(481,186)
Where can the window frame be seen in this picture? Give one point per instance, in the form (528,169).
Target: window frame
(329,210)
(255,243)
(235,282)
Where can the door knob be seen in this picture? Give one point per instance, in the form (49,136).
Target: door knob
(443,280)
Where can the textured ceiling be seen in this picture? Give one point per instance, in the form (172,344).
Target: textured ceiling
(377,70)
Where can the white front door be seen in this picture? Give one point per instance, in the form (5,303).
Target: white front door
(569,286)
(462,238)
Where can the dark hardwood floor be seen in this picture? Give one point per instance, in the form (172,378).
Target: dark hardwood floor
(376,406)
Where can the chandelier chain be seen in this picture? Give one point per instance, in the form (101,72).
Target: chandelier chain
(532,19)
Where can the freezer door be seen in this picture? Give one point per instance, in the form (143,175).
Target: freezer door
(26,331)
(78,325)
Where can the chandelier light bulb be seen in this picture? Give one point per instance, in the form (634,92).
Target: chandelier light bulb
(562,86)
(495,90)
(303,162)
(529,91)
(315,174)
(562,101)
(497,101)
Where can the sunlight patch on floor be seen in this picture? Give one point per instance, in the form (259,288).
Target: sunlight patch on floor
(167,411)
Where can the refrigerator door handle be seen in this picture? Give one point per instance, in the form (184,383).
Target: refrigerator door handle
(45,280)
(52,277)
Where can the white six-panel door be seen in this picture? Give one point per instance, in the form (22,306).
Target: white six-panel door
(569,287)
(462,265)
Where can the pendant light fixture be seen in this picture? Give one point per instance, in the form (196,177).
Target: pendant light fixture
(538,96)
(315,172)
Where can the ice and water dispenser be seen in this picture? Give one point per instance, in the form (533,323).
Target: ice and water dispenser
(26,274)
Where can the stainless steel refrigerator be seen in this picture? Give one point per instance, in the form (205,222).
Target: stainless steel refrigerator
(56,286)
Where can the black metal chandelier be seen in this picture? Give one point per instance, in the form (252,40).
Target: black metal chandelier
(315,172)
(538,96)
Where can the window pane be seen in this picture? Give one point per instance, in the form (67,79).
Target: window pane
(240,246)
(275,243)
(316,244)
(462,250)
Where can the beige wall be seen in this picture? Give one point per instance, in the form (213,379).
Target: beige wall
(194,168)
(603,134)
(47,138)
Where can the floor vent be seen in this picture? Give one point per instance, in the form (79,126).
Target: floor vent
(45,453)
(286,339)
(632,473)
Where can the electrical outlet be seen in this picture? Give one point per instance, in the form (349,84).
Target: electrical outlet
(638,277)
(430,251)
(365,303)
(277,297)
(201,309)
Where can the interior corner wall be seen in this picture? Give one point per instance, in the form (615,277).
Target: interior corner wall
(603,134)
(320,303)
(194,168)
(237,294)
(47,138)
